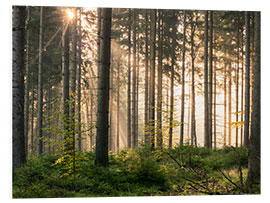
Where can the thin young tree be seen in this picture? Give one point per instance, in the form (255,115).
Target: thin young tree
(18,44)
(101,156)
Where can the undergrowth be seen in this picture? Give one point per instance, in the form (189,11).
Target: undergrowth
(181,171)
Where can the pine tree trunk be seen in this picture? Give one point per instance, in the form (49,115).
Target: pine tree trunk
(27,75)
(172,82)
(146,102)
(247,80)
(65,79)
(111,134)
(73,77)
(118,104)
(193,109)
(254,157)
(152,81)
(129,82)
(101,156)
(183,85)
(134,81)
(230,103)
(210,108)
(159,97)
(237,82)
(18,139)
(79,81)
(242,89)
(225,103)
(40,86)
(206,112)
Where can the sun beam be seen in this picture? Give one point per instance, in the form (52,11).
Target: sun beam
(70,14)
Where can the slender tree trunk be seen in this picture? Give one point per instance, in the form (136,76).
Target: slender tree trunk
(40,86)
(242,89)
(206,112)
(230,103)
(215,104)
(254,163)
(210,108)
(111,134)
(134,81)
(146,110)
(172,82)
(159,97)
(27,75)
(225,103)
(118,104)
(32,119)
(65,79)
(247,81)
(237,82)
(18,139)
(79,81)
(73,79)
(101,156)
(193,109)
(183,84)
(129,83)
(152,82)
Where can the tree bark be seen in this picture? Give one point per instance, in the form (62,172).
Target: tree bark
(152,82)
(206,112)
(247,80)
(183,85)
(129,82)
(40,86)
(254,163)
(101,156)
(18,139)
(159,97)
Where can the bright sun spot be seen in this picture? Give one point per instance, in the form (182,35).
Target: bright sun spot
(70,14)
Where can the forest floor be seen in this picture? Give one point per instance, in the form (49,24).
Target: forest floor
(184,170)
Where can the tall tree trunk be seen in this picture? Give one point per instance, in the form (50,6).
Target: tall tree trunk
(242,88)
(210,108)
(79,80)
(118,104)
(206,112)
(172,80)
(73,78)
(27,75)
(254,163)
(65,79)
(18,139)
(225,103)
(183,84)
(146,110)
(32,118)
(159,97)
(40,86)
(152,82)
(129,82)
(193,109)
(247,80)
(230,103)
(111,134)
(101,156)
(237,82)
(134,81)
(215,104)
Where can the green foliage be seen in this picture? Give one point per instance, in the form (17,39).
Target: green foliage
(184,170)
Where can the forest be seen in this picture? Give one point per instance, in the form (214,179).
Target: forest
(116,102)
